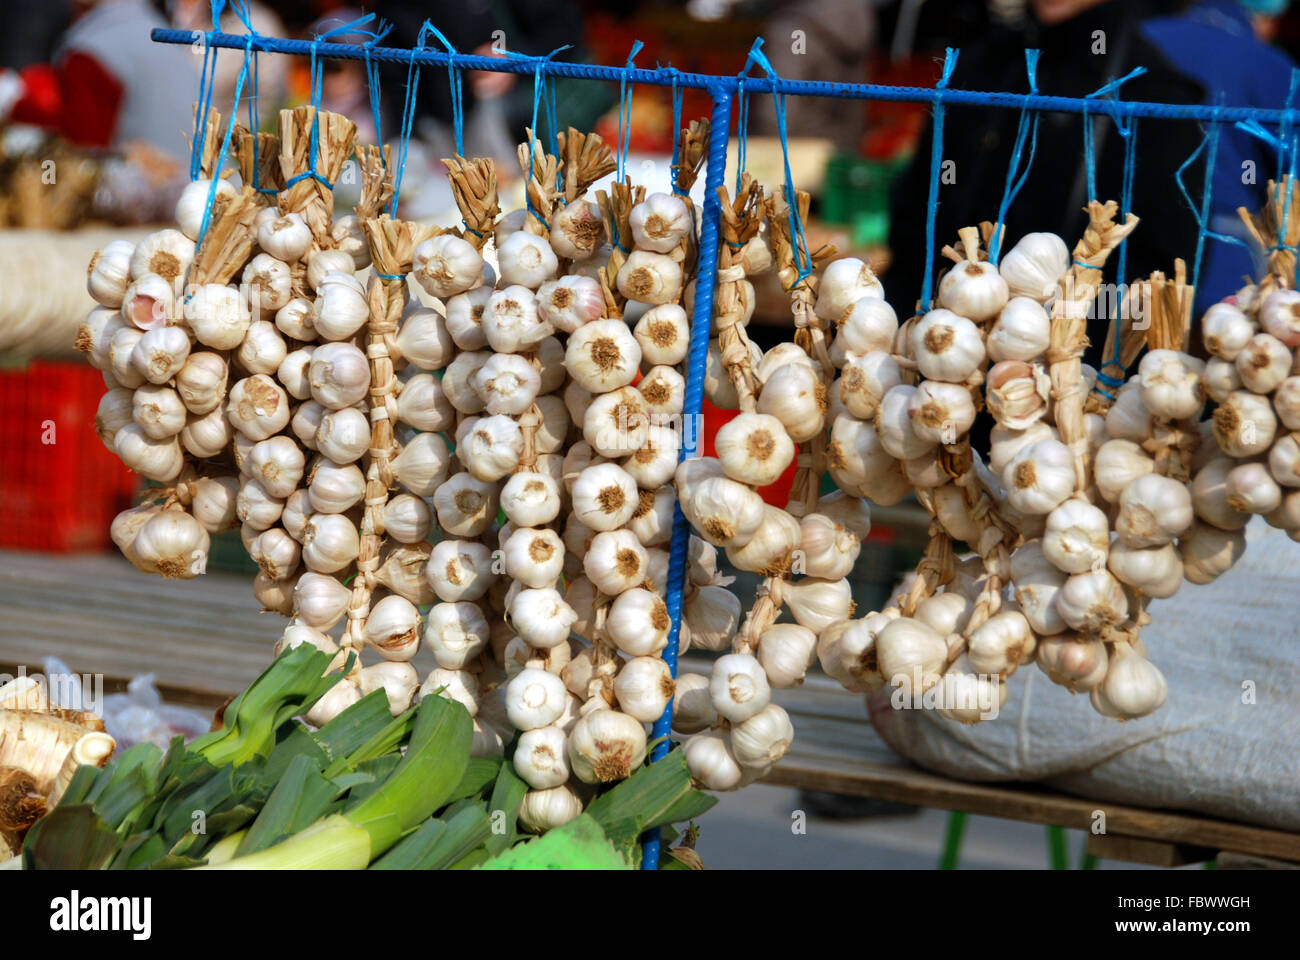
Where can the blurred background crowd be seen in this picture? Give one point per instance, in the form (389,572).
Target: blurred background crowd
(85,73)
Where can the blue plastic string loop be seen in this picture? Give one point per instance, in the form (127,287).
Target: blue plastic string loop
(207,75)
(225,147)
(391,276)
(539,97)
(625,111)
(408,116)
(936,161)
(373,87)
(457,97)
(1086,266)
(802,256)
(677,128)
(1130,135)
(1013,186)
(1109,87)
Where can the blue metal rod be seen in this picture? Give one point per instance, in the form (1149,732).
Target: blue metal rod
(697,359)
(806,88)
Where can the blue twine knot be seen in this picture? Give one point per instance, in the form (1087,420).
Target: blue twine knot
(625,111)
(541,95)
(677,128)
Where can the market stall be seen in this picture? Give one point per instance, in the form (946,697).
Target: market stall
(468,463)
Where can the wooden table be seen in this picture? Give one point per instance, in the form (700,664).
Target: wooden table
(204,641)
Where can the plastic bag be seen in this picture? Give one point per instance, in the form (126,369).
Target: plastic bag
(137,716)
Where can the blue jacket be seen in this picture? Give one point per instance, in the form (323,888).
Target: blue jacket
(1214,43)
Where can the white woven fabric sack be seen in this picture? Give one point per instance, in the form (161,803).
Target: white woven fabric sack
(1226,742)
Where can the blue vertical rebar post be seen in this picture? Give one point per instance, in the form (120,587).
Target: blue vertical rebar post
(692,405)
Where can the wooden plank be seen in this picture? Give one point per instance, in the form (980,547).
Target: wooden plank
(1033,804)
(1156,853)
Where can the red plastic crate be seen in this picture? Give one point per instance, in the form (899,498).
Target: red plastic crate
(60,487)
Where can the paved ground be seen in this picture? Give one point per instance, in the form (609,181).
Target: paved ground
(753,830)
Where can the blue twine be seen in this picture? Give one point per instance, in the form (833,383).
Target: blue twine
(802,256)
(936,161)
(1130,135)
(225,148)
(625,111)
(539,96)
(742,130)
(457,97)
(1011,189)
(391,276)
(1089,160)
(408,116)
(372,85)
(207,76)
(1086,266)
(1209,145)
(677,132)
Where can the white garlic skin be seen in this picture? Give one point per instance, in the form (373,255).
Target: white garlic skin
(1039,477)
(974,289)
(1037,583)
(1153,510)
(648,277)
(947,346)
(692,709)
(1208,552)
(786,650)
(1077,537)
(1035,265)
(870,326)
(660,222)
(1090,601)
(1171,384)
(843,283)
(1022,331)
(1076,662)
(1133,686)
(738,687)
(1225,330)
(1279,314)
(1155,571)
(910,654)
(446,265)
(109,273)
(171,543)
(1244,424)
(606,745)
(1263,363)
(526,259)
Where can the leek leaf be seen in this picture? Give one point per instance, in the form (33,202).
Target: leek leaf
(300,799)
(507,797)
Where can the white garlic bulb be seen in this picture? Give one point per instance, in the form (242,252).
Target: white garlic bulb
(543,810)
(1155,571)
(711,762)
(535,699)
(1090,601)
(843,283)
(660,222)
(1017,393)
(1077,536)
(1263,363)
(277,463)
(1035,265)
(602,356)
(540,757)
(692,709)
(577,230)
(201,381)
(604,497)
(638,623)
(171,543)
(465,318)
(754,448)
(1117,464)
(329,543)
(615,561)
(1171,384)
(527,260)
(910,655)
(256,508)
(947,346)
(153,459)
(643,688)
(974,289)
(1037,582)
(770,551)
(465,505)
(320,601)
(649,277)
(455,633)
(158,411)
(713,615)
(1133,686)
(218,316)
(109,273)
(534,558)
(738,687)
(785,651)
(213,503)
(446,265)
(1244,424)
(940,412)
(606,745)
(1208,552)
(870,326)
(1073,661)
(459,685)
(1279,314)
(541,617)
(663,333)
(1039,477)
(1153,510)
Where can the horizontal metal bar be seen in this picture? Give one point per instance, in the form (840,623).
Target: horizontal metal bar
(666,76)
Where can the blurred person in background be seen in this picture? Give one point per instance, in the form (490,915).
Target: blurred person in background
(1219,43)
(1084,44)
(272,69)
(109,85)
(820,40)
